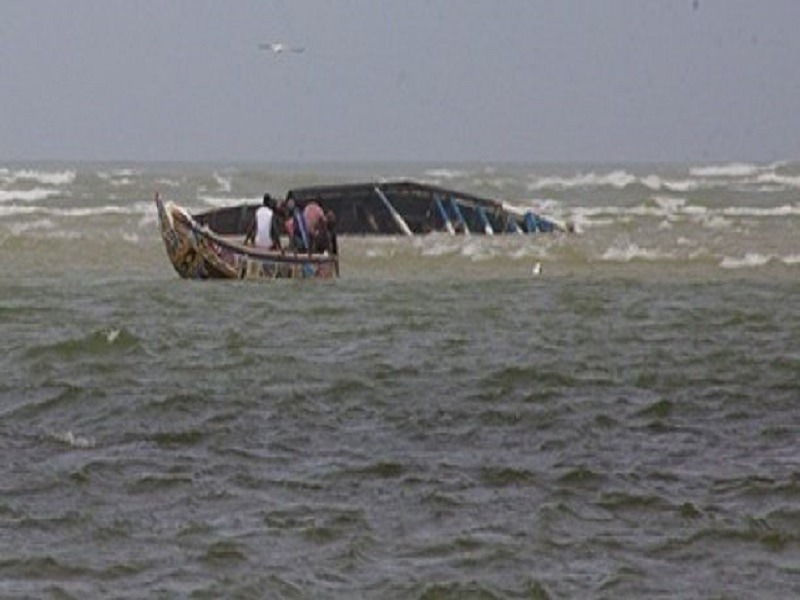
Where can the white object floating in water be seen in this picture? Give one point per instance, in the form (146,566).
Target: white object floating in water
(537,269)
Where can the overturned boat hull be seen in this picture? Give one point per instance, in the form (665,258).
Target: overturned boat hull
(197,251)
(399,208)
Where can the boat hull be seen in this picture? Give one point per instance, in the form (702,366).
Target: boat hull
(398,208)
(197,252)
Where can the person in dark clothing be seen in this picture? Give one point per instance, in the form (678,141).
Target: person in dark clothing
(324,237)
(332,245)
(295,227)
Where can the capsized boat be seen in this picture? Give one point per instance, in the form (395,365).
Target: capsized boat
(198,251)
(399,208)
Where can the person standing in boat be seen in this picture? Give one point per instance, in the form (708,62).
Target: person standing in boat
(325,235)
(264,231)
(321,228)
(315,225)
(296,227)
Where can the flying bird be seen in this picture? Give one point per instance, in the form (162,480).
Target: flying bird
(278,48)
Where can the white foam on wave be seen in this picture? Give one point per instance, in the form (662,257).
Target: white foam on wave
(477,251)
(166,182)
(656,183)
(730,170)
(383,252)
(749,260)
(21,228)
(119,177)
(15,210)
(443,173)
(786,210)
(715,222)
(55,178)
(665,207)
(778,181)
(124,173)
(111,334)
(674,208)
(224,184)
(75,441)
(617,179)
(754,259)
(632,251)
(439,247)
(584,218)
(63,234)
(138,208)
(221,201)
(497,183)
(32,195)
(94,211)
(670,203)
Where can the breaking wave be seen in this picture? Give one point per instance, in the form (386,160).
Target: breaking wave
(755,259)
(32,195)
(729,170)
(616,179)
(55,178)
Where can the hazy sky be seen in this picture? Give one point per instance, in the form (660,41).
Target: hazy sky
(435,80)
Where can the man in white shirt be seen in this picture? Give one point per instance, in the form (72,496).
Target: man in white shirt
(264,230)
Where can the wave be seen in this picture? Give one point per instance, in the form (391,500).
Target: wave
(752,211)
(669,207)
(629,252)
(32,195)
(766,177)
(617,179)
(41,224)
(137,208)
(739,175)
(219,201)
(223,183)
(119,177)
(754,259)
(55,178)
(448,174)
(620,180)
(100,343)
(656,183)
(729,170)
(74,441)
(779,181)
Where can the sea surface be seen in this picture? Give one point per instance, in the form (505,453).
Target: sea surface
(609,414)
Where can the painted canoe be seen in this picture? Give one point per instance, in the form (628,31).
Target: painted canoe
(197,251)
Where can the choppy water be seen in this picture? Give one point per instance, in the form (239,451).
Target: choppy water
(438,423)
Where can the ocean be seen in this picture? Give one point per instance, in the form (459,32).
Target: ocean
(608,414)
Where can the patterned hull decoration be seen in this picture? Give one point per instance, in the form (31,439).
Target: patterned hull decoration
(198,252)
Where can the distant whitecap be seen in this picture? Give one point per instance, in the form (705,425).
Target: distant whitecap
(280,48)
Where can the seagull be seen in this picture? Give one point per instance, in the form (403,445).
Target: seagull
(278,48)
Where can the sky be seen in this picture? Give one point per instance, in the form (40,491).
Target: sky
(400,80)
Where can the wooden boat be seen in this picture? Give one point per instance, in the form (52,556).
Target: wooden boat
(400,208)
(198,251)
